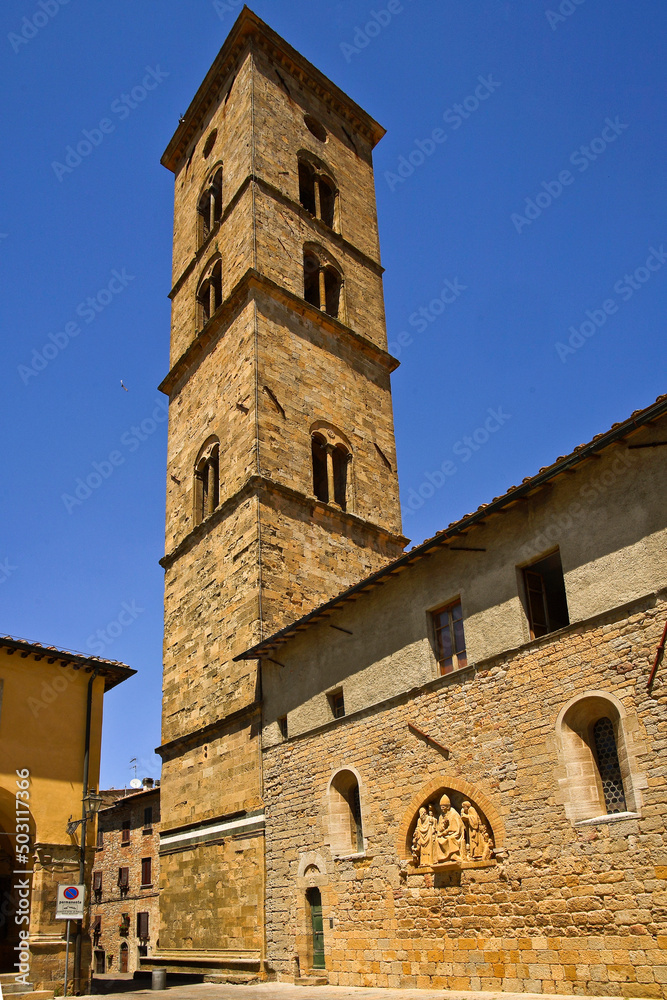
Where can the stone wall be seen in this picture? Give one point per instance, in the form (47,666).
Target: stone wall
(562,908)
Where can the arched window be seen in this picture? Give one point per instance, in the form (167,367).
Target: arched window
(209,207)
(322,283)
(345,823)
(598,775)
(331,459)
(318,193)
(209,296)
(207,481)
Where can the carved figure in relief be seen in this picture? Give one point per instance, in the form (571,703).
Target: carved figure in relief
(450,839)
(475,830)
(422,841)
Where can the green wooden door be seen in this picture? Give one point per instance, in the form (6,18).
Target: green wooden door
(314,898)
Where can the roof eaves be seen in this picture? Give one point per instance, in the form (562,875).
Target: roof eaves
(619,430)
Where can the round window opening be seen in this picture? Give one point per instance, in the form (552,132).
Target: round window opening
(316,128)
(210,141)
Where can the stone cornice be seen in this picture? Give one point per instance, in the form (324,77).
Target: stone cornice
(249,29)
(319,227)
(259,485)
(251,281)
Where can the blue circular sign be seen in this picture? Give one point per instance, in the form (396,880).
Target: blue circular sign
(71,892)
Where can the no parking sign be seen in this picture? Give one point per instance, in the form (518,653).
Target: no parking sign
(70,902)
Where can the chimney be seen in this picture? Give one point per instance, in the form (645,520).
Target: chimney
(147,783)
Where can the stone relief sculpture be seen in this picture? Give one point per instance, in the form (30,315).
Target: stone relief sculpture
(445,835)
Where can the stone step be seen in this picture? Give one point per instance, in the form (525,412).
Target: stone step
(313,980)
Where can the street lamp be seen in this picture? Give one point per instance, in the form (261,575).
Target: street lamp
(92,802)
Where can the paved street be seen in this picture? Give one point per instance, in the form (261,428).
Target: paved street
(286,991)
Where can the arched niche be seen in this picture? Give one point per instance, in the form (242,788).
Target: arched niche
(450,824)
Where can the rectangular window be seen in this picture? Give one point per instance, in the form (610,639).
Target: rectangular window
(97,926)
(450,643)
(282,725)
(337,703)
(124,878)
(148,819)
(100,838)
(146,871)
(125,832)
(545,599)
(142,926)
(97,884)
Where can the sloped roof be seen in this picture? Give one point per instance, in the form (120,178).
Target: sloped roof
(617,432)
(113,671)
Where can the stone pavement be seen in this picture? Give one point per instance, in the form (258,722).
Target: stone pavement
(287,991)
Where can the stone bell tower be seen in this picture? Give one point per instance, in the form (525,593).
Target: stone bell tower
(281,480)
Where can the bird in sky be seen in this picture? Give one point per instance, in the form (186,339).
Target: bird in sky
(124,386)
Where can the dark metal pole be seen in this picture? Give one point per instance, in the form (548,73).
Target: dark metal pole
(82,849)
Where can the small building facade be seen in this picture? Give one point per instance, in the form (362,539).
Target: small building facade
(465,781)
(50,737)
(124,911)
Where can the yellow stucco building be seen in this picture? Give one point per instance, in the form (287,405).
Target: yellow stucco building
(50,737)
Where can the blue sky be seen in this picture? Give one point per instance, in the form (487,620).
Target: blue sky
(522,208)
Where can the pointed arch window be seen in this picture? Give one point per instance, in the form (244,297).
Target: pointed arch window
(331,461)
(209,207)
(209,296)
(207,482)
(322,284)
(318,194)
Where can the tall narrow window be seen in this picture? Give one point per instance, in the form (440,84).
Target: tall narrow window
(546,601)
(209,296)
(97,885)
(608,765)
(317,194)
(146,871)
(330,471)
(148,819)
(337,704)
(207,482)
(450,644)
(100,838)
(209,207)
(142,926)
(322,285)
(123,879)
(345,819)
(125,832)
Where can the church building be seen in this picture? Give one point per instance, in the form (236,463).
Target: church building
(435,768)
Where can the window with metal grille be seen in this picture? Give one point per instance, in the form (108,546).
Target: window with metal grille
(125,832)
(450,644)
(609,766)
(545,598)
(146,871)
